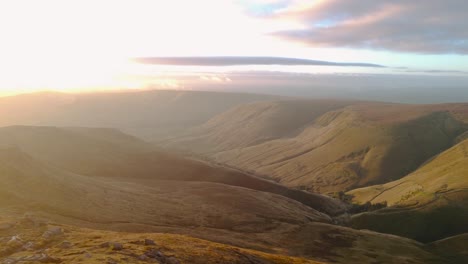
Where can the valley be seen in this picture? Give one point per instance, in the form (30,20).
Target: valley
(254,180)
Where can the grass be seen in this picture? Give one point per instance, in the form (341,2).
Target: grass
(431,202)
(85,247)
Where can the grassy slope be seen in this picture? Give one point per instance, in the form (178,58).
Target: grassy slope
(110,153)
(430,203)
(228,215)
(342,149)
(453,248)
(85,246)
(166,204)
(220,213)
(253,123)
(262,225)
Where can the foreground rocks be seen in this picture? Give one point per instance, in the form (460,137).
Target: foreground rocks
(29,240)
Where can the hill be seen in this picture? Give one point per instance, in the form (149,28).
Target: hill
(81,245)
(74,244)
(258,225)
(339,146)
(254,123)
(239,224)
(428,204)
(110,153)
(152,114)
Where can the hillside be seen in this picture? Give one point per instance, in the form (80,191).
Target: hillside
(152,114)
(253,123)
(184,197)
(259,225)
(428,204)
(356,144)
(32,238)
(110,153)
(81,245)
(95,199)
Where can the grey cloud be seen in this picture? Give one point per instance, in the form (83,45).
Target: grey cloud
(421,26)
(437,71)
(235,61)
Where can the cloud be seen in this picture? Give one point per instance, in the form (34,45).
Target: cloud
(419,26)
(437,71)
(237,61)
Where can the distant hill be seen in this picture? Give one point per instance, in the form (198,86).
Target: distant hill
(254,123)
(428,204)
(327,146)
(152,114)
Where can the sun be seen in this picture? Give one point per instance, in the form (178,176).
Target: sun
(63,73)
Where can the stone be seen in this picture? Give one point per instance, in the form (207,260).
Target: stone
(42,258)
(14,242)
(116,246)
(65,245)
(52,232)
(10,261)
(149,242)
(48,259)
(153,253)
(172,260)
(29,245)
(105,245)
(111,261)
(160,254)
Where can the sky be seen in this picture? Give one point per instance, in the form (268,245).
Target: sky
(73,45)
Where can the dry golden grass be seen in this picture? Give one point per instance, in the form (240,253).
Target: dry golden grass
(446,173)
(428,204)
(86,246)
(344,150)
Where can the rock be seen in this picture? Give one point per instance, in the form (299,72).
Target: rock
(65,245)
(15,242)
(9,261)
(153,253)
(43,258)
(111,261)
(48,259)
(149,242)
(112,245)
(29,245)
(52,232)
(143,257)
(172,260)
(105,245)
(160,254)
(116,246)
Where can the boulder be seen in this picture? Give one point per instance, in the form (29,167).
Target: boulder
(149,242)
(117,246)
(52,233)
(172,260)
(65,245)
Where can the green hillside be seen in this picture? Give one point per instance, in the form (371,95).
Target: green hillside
(334,150)
(429,204)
